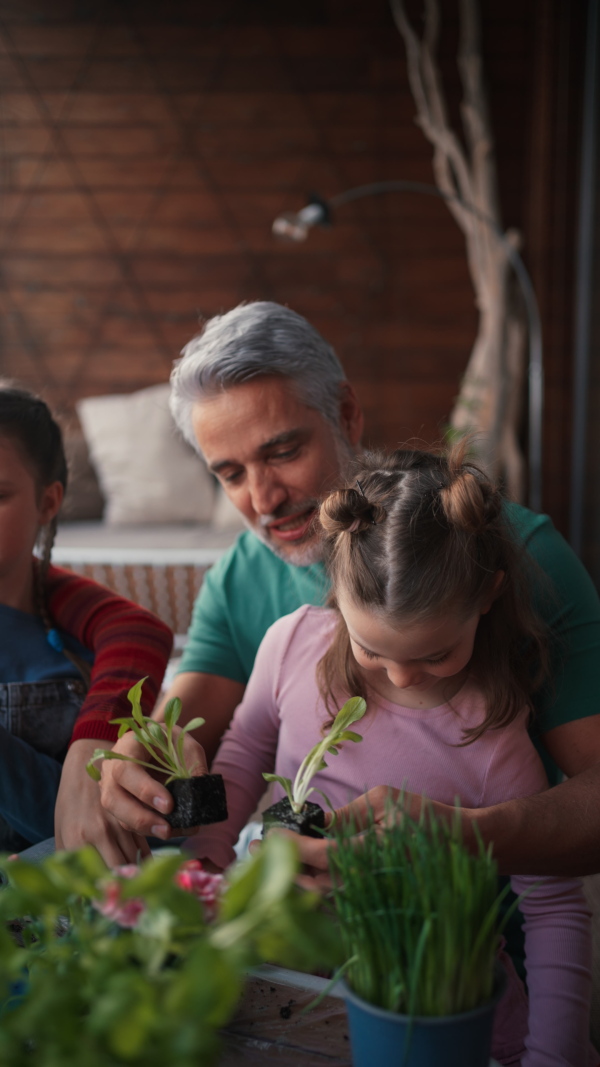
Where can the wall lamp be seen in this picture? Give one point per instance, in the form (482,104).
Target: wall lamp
(319,212)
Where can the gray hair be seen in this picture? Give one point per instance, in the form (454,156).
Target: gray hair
(251,341)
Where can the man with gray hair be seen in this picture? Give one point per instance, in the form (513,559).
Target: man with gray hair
(263,398)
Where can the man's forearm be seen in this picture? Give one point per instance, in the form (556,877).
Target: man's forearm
(552,833)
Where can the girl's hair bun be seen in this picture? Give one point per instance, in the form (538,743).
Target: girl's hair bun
(349,511)
(470,502)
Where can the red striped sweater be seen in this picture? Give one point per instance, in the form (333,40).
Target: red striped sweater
(128,643)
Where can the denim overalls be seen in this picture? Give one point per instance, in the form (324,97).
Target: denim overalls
(36,722)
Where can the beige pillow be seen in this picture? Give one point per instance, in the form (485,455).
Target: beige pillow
(146,470)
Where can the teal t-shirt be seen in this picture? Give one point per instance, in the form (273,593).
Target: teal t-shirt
(250,588)
(245,592)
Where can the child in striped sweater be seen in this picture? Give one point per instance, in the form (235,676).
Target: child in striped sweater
(70,649)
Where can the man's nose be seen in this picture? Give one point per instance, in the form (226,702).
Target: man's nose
(266,491)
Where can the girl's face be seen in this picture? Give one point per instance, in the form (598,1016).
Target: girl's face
(23,509)
(414,664)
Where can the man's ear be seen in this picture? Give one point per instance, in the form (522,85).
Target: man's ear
(51,499)
(352,420)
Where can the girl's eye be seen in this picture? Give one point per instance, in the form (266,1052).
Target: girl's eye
(369,655)
(439,659)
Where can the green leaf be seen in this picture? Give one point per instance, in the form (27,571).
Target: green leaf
(134,697)
(156,733)
(172,712)
(314,789)
(352,711)
(349,735)
(180,744)
(286,784)
(93,771)
(193,724)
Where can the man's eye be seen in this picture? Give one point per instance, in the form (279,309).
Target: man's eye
(288,453)
(233,477)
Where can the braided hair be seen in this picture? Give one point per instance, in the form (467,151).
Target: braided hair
(27,421)
(419,534)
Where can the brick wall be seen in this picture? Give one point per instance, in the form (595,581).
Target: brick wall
(146,148)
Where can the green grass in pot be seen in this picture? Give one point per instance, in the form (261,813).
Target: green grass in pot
(419,915)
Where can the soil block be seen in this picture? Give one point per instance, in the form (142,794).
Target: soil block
(198,801)
(308,822)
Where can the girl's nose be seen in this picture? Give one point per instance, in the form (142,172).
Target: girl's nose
(403,677)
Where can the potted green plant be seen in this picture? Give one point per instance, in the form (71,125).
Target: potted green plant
(199,799)
(126,968)
(294,811)
(419,919)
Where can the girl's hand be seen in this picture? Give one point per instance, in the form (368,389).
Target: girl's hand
(373,806)
(134,797)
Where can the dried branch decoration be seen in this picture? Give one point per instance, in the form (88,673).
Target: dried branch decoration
(489,404)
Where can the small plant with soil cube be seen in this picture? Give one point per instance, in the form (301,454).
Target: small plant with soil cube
(294,811)
(199,799)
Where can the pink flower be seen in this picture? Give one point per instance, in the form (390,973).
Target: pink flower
(124,912)
(206,887)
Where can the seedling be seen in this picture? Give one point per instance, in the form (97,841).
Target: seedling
(295,811)
(199,799)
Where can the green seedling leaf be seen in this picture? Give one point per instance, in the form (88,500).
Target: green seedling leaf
(134,697)
(93,771)
(172,712)
(314,762)
(352,711)
(193,724)
(155,731)
(286,784)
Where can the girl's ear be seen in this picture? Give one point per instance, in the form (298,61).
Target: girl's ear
(51,499)
(494,592)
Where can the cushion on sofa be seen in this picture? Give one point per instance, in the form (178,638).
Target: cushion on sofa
(147,472)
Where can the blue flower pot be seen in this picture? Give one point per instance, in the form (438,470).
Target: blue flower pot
(383,1037)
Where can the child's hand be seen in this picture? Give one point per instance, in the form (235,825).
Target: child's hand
(137,799)
(373,806)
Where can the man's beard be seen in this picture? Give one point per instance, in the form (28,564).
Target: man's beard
(310,550)
(301,554)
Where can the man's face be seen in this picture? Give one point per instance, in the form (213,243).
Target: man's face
(276,458)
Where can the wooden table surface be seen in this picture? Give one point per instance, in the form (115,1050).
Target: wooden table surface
(269,1026)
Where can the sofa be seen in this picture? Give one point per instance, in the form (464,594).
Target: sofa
(142,514)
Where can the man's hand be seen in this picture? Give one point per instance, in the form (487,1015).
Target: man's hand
(375,807)
(134,797)
(79,818)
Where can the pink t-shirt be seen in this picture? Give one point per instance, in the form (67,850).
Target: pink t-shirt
(280,719)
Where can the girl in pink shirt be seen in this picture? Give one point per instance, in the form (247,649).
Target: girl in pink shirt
(432,625)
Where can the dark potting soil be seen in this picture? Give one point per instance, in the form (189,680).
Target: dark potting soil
(308,822)
(198,801)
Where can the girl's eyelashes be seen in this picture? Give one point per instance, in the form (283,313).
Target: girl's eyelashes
(439,659)
(369,655)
